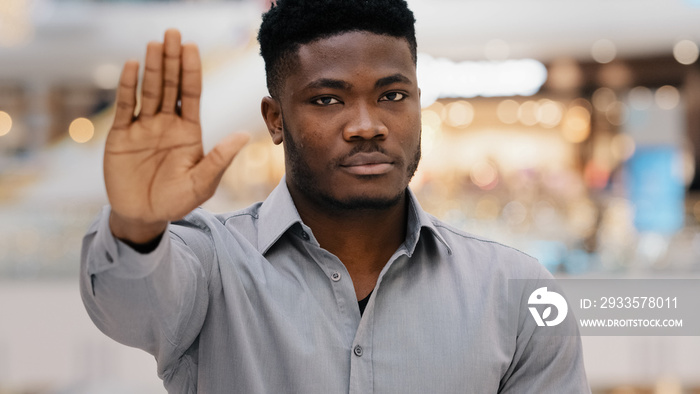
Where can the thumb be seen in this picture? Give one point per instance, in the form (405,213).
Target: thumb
(211,168)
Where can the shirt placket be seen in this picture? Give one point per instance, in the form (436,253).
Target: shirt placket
(361,365)
(361,372)
(359,328)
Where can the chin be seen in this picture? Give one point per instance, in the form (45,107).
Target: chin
(363,202)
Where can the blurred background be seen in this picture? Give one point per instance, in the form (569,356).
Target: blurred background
(568,129)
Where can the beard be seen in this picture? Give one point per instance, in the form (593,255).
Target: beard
(307,182)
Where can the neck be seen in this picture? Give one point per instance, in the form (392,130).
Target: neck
(363,239)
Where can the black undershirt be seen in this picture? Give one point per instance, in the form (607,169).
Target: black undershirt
(363,303)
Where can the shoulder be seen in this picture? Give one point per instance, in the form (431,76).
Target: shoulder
(212,236)
(481,254)
(245,215)
(202,226)
(207,221)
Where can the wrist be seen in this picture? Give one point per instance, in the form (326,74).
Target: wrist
(133,231)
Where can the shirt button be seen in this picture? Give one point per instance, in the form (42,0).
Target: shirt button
(305,235)
(109,257)
(357,350)
(335,276)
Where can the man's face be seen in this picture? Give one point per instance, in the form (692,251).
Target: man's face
(350,113)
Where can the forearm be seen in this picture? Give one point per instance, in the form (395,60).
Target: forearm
(153,301)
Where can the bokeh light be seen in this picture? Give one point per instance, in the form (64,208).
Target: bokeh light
(514,213)
(576,126)
(431,119)
(616,75)
(603,51)
(16,27)
(439,108)
(667,97)
(81,130)
(507,111)
(565,74)
(527,113)
(443,78)
(484,175)
(616,113)
(622,147)
(459,114)
(596,174)
(603,98)
(686,52)
(5,123)
(487,208)
(549,113)
(431,130)
(582,102)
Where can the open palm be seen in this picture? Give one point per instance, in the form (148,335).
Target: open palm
(154,165)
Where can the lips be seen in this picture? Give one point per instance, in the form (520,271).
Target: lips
(374,163)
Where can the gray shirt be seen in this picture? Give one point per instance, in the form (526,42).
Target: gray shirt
(248,302)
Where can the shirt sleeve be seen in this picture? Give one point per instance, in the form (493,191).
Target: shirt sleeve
(545,363)
(155,301)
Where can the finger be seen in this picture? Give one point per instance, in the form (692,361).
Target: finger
(171,70)
(191,89)
(126,95)
(208,172)
(152,79)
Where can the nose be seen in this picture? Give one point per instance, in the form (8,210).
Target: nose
(365,123)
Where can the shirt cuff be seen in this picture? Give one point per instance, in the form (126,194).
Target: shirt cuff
(111,254)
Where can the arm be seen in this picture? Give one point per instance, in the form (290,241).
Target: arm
(546,359)
(155,173)
(155,301)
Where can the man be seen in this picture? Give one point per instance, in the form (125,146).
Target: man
(338,282)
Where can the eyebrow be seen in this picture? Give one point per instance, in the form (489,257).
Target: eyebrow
(328,83)
(396,78)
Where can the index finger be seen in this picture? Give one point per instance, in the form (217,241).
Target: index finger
(191,88)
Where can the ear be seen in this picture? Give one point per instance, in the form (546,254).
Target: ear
(272,113)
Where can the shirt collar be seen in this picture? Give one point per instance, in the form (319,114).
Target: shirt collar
(278,214)
(418,219)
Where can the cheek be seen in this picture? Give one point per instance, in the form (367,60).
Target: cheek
(309,143)
(411,137)
(315,151)
(317,137)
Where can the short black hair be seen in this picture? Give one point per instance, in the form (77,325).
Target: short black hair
(291,23)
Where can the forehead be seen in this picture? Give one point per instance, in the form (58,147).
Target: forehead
(351,56)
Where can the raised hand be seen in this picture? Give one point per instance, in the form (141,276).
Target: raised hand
(154,164)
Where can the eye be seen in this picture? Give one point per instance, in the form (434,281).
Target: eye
(326,101)
(393,96)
